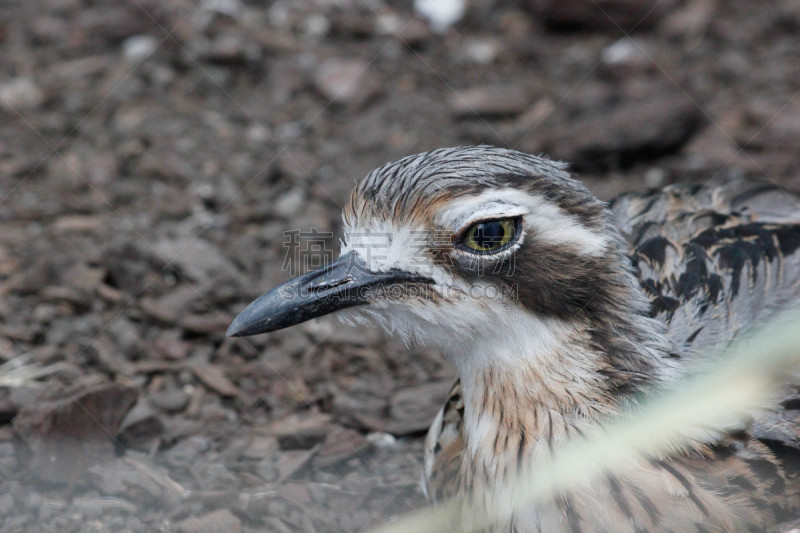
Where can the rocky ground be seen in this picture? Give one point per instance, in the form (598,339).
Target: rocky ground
(152,155)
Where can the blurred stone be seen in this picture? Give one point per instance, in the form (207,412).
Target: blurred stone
(626,56)
(297,164)
(771,128)
(126,336)
(205,324)
(291,461)
(186,451)
(172,399)
(96,507)
(316,25)
(299,431)
(6,504)
(24,395)
(367,409)
(138,48)
(440,14)
(82,67)
(413,409)
(7,408)
(135,480)
(198,259)
(792,526)
(214,377)
(260,447)
(382,439)
(603,14)
(480,51)
(45,313)
(78,223)
(113,22)
(490,101)
(690,20)
(215,475)
(171,345)
(715,146)
(20,94)
(257,135)
(633,130)
(340,445)
(8,460)
(290,202)
(346,81)
(655,177)
(411,32)
(50,507)
(69,435)
(170,307)
(49,30)
(228,50)
(230,8)
(141,427)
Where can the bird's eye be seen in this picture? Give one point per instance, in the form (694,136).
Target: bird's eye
(490,236)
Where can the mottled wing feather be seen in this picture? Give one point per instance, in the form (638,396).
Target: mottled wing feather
(444,445)
(717,259)
(714,258)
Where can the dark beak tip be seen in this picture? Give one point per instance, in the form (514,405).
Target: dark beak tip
(240,326)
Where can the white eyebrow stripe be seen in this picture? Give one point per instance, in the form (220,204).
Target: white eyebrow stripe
(551,224)
(492,212)
(546,221)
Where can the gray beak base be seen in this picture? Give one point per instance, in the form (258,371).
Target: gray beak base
(345,282)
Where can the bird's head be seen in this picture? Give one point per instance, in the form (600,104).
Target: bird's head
(456,244)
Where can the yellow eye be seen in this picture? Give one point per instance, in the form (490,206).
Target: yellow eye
(490,235)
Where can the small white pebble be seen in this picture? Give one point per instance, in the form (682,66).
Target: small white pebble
(388,24)
(256,135)
(655,177)
(288,131)
(440,14)
(382,439)
(316,26)
(481,51)
(621,51)
(20,93)
(225,7)
(138,48)
(203,190)
(290,202)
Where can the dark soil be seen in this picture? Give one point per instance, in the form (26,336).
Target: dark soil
(152,155)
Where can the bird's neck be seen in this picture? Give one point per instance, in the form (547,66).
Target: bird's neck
(529,387)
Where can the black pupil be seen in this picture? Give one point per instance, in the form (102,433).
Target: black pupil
(489,235)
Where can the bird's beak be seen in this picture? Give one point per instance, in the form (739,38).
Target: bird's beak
(343,283)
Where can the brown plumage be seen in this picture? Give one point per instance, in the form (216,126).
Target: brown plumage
(573,313)
(713,259)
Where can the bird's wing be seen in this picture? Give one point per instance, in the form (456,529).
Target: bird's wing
(444,445)
(717,259)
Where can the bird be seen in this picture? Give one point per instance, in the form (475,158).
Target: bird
(559,311)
